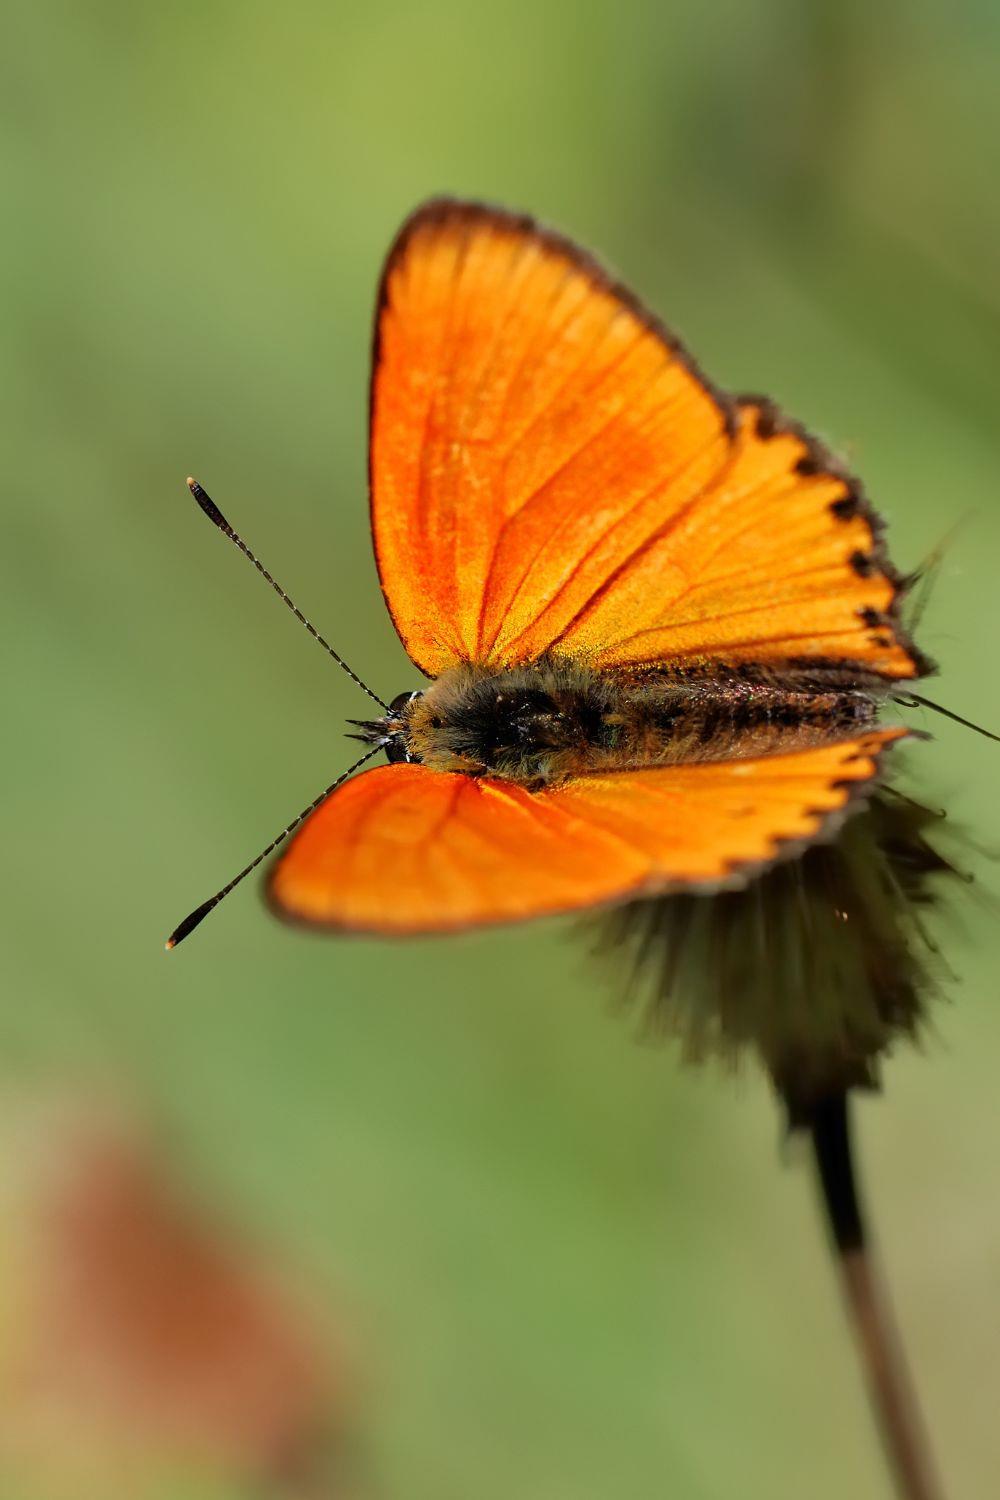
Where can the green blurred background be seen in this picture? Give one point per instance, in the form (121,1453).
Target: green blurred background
(573,1269)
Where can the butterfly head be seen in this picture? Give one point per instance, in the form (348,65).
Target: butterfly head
(528,724)
(525,724)
(392,732)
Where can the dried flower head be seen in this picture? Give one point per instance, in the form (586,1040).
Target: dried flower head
(819,967)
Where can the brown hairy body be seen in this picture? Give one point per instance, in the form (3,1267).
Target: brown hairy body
(554,719)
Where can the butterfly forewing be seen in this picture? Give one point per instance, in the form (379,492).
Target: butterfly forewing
(550,472)
(531,425)
(403,849)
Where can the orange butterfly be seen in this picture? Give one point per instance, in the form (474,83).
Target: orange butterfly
(659,622)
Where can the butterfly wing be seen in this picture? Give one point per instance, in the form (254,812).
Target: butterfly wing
(549,471)
(405,850)
(779,559)
(522,404)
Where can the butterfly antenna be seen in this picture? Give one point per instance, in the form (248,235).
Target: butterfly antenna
(914,700)
(215,515)
(199,914)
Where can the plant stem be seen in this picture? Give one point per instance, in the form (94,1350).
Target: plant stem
(894,1404)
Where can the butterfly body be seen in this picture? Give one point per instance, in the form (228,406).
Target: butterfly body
(548,721)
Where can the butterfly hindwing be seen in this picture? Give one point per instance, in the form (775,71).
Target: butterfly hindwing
(779,559)
(405,850)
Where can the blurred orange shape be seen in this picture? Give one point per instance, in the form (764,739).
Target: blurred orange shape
(143,1333)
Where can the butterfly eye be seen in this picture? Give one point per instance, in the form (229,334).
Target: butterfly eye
(395,745)
(402,701)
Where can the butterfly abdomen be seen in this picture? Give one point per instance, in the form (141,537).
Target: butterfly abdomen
(554,719)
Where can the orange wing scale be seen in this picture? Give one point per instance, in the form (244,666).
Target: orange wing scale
(404,850)
(549,471)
